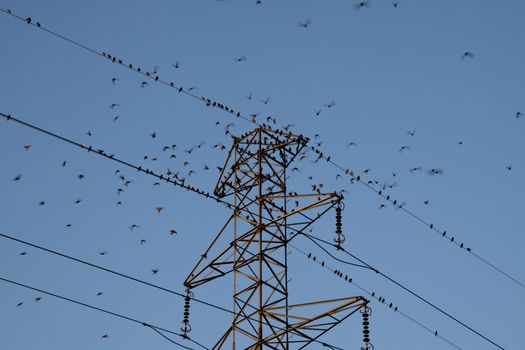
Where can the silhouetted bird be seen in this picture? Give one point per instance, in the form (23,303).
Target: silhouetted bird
(240,59)
(467,54)
(305,24)
(361,5)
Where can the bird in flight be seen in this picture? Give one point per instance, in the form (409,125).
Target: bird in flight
(154,271)
(361,5)
(330,105)
(436,171)
(305,24)
(240,59)
(519,115)
(467,54)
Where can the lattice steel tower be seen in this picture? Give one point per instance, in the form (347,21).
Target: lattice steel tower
(253,245)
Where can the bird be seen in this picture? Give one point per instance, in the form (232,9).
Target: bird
(350,144)
(37,299)
(153,135)
(88,133)
(411,132)
(19,304)
(519,115)
(467,54)
(105,336)
(114,105)
(361,5)
(27,147)
(460,142)
(99,294)
(317,112)
(144,84)
(64,163)
(17,177)
(330,104)
(240,59)
(28,20)
(403,148)
(436,171)
(134,226)
(258,2)
(23,253)
(266,100)
(176,65)
(395,3)
(41,203)
(81,176)
(142,241)
(173,232)
(114,80)
(427,202)
(104,252)
(154,271)
(412,170)
(509,167)
(159,209)
(305,24)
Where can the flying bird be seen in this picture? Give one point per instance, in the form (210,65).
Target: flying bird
(467,54)
(240,59)
(305,24)
(361,5)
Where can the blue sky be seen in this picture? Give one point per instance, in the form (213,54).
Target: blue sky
(389,70)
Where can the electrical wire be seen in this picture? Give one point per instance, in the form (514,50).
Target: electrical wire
(373,295)
(134,279)
(215,104)
(102,310)
(426,301)
(103,154)
(147,171)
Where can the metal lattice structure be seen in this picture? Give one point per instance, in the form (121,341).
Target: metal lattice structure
(253,246)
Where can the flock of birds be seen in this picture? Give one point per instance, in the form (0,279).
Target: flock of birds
(171,152)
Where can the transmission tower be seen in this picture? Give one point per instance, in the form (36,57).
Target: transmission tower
(253,246)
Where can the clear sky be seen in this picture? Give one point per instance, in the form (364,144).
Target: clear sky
(390,69)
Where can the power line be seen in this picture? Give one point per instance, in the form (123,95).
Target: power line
(104,311)
(147,171)
(407,290)
(373,295)
(134,279)
(102,153)
(216,104)
(131,67)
